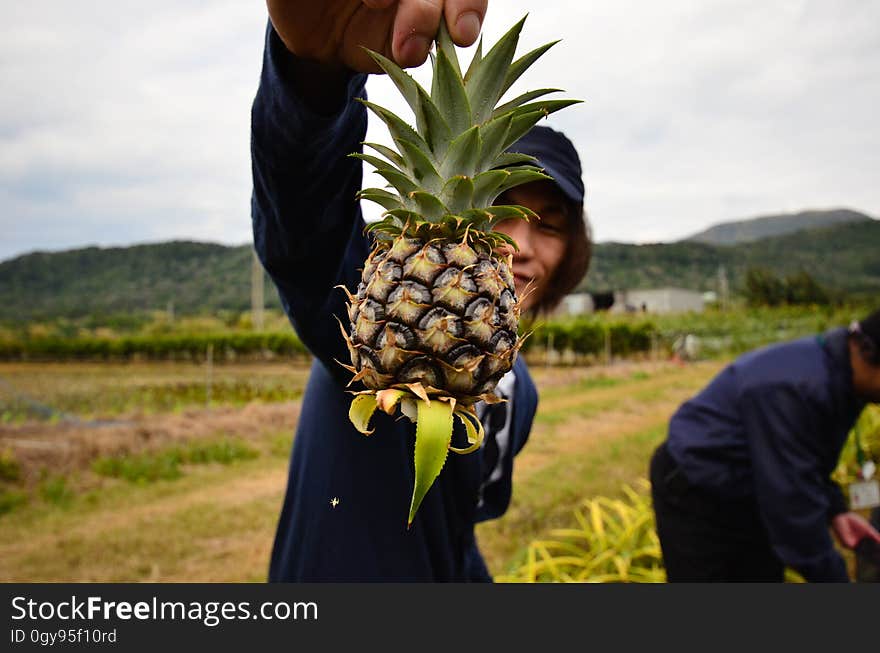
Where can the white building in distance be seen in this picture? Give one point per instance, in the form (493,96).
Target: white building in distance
(576,304)
(658,300)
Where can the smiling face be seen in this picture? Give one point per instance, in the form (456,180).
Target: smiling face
(542,243)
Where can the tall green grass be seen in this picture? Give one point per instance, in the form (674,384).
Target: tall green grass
(166,464)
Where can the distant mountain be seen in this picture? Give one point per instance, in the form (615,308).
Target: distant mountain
(843,258)
(204,277)
(746,231)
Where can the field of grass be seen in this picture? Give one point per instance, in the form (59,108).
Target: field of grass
(193,494)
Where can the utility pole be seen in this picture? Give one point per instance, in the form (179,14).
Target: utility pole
(723,287)
(257,300)
(209,374)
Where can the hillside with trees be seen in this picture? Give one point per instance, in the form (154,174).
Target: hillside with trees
(197,278)
(843,259)
(187,277)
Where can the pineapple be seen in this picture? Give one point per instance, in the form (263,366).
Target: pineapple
(434,318)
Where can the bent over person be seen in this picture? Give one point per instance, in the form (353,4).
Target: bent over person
(345,508)
(742,485)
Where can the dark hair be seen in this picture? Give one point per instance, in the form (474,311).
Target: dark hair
(575,260)
(866,334)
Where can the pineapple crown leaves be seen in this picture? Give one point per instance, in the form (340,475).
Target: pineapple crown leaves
(448,171)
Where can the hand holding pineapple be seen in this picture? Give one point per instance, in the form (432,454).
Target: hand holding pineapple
(334,32)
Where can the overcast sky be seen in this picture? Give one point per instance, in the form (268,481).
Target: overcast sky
(125,122)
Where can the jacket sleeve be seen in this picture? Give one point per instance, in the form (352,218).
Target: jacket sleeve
(307,224)
(836,501)
(783,428)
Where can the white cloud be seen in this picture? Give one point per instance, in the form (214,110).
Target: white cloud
(123,122)
(126,123)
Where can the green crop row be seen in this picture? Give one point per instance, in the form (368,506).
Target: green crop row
(719,332)
(590,336)
(151,347)
(581,336)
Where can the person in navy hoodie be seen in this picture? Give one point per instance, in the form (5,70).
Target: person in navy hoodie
(741,486)
(347,499)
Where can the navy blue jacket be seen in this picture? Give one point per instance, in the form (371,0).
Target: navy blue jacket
(771,427)
(308,233)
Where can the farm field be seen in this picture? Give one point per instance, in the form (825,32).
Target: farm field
(128,485)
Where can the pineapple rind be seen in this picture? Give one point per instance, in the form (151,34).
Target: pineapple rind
(436,312)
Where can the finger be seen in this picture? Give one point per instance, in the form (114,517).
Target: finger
(465,19)
(415,26)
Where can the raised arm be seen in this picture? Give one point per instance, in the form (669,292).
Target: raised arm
(308,229)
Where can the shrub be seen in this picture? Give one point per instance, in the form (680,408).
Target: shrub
(145,468)
(55,490)
(10,500)
(588,336)
(165,465)
(224,451)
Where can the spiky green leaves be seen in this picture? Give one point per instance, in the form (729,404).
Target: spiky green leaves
(463,154)
(458,194)
(433,436)
(448,91)
(521,65)
(455,161)
(434,422)
(487,82)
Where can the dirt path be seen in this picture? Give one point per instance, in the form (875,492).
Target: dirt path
(217,523)
(230,493)
(62,545)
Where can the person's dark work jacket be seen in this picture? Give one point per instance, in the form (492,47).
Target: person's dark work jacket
(309,235)
(771,427)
